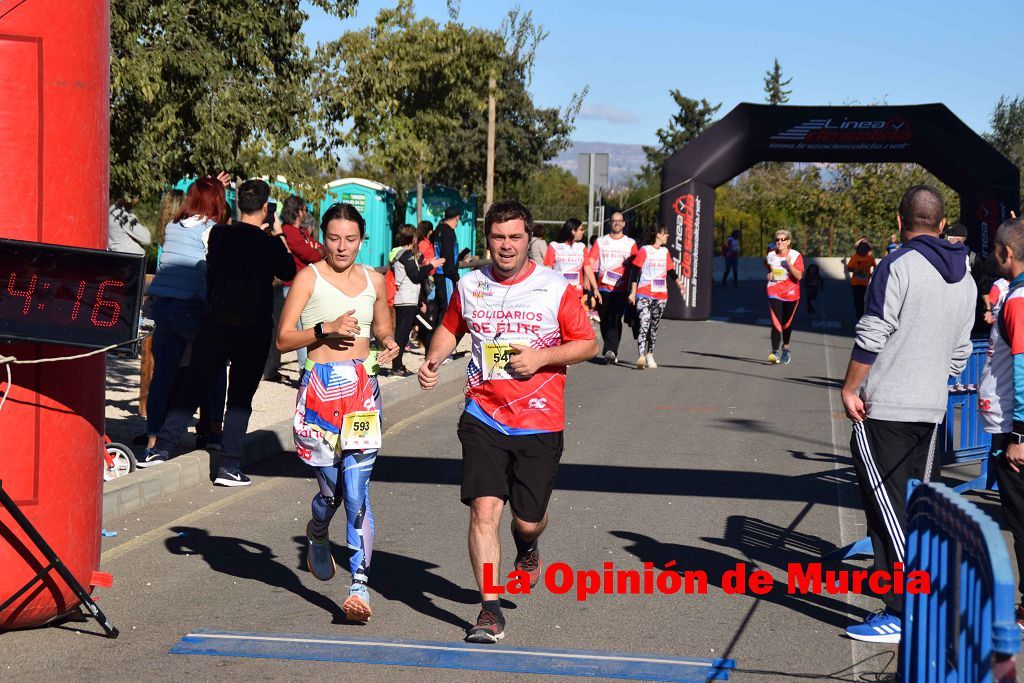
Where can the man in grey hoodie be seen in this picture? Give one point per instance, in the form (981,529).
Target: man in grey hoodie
(914,335)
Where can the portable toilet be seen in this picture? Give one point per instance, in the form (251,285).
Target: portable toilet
(436,198)
(231,197)
(376,203)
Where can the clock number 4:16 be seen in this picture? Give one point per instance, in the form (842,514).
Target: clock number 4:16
(113,307)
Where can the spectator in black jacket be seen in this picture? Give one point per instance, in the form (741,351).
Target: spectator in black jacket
(242,261)
(447,248)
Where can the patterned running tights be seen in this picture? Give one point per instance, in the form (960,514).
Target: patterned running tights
(649,311)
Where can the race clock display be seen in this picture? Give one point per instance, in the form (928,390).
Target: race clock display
(68,295)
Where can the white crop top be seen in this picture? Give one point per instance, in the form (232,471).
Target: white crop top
(327,303)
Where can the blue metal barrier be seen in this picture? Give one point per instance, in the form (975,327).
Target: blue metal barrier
(962,437)
(965,630)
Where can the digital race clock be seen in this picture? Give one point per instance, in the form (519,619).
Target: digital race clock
(68,295)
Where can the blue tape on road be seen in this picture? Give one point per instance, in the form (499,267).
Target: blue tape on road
(454,656)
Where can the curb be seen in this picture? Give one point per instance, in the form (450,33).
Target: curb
(142,487)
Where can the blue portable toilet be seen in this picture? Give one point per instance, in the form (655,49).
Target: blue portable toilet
(376,203)
(231,197)
(436,198)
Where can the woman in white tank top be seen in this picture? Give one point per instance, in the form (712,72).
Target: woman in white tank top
(337,414)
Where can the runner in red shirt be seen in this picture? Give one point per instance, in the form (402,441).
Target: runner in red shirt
(527,325)
(567,255)
(650,293)
(785,269)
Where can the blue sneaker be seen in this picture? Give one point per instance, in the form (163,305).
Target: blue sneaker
(785,357)
(880,627)
(318,555)
(151,456)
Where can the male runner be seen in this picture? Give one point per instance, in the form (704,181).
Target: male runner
(527,325)
(609,257)
(1001,393)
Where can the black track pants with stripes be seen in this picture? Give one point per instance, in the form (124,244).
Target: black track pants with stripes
(886,455)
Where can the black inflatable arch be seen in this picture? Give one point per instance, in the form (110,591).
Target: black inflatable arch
(928,134)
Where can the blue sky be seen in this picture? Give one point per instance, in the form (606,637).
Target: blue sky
(963,53)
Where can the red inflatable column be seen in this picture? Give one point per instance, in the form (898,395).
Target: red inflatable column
(54,139)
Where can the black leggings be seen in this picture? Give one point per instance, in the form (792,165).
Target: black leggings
(782,321)
(405,316)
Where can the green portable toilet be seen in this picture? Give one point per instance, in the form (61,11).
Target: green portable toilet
(376,203)
(436,198)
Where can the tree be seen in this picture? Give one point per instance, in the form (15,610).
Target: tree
(397,91)
(693,117)
(526,136)
(552,193)
(204,86)
(1007,133)
(774,86)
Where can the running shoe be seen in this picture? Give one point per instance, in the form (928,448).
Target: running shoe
(487,630)
(609,358)
(785,357)
(773,357)
(151,456)
(641,363)
(318,555)
(529,562)
(357,605)
(880,627)
(650,362)
(1020,616)
(231,476)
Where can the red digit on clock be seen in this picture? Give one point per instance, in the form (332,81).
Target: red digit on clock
(106,303)
(78,300)
(27,293)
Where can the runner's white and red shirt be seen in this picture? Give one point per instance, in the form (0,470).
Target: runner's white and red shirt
(538,309)
(1006,340)
(999,290)
(780,285)
(654,265)
(610,255)
(567,261)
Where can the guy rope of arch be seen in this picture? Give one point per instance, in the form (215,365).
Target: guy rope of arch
(928,134)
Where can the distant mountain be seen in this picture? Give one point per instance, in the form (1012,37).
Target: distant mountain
(624,161)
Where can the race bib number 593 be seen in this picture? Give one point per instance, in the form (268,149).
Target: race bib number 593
(361,430)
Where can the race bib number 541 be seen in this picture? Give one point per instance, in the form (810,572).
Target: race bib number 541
(497,361)
(361,430)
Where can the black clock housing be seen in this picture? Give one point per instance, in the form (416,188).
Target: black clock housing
(69,295)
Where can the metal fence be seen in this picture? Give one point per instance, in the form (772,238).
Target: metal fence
(965,629)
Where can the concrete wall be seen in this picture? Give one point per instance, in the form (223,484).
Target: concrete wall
(752,267)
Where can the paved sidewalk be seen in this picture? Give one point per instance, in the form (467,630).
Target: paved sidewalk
(270,428)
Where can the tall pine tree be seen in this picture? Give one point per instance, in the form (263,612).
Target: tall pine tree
(774,86)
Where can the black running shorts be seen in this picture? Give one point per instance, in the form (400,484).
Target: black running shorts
(519,469)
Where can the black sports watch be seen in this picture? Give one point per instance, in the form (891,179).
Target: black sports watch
(1016,438)
(318,330)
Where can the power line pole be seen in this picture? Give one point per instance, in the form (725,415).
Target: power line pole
(491,115)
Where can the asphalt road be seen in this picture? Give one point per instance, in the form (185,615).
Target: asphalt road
(715,458)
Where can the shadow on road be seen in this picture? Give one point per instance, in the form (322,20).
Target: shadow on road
(403,579)
(835,612)
(247,560)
